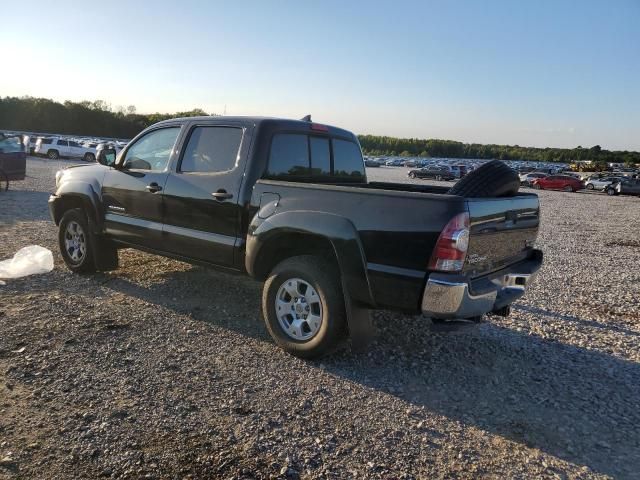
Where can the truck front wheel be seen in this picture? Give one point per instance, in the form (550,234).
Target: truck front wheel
(75,242)
(303,306)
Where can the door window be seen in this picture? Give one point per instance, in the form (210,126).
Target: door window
(211,149)
(152,151)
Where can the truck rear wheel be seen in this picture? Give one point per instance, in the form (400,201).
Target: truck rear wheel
(303,306)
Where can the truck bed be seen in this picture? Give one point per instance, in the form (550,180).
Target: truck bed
(399,224)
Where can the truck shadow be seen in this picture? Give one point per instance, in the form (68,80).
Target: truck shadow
(577,404)
(577,320)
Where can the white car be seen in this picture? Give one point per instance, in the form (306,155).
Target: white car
(600,183)
(56,147)
(527,178)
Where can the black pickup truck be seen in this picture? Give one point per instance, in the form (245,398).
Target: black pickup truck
(288,203)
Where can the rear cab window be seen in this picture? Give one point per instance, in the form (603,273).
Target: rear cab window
(314,158)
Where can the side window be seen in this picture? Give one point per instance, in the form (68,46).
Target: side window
(320,156)
(152,152)
(63,143)
(211,149)
(347,161)
(73,144)
(289,156)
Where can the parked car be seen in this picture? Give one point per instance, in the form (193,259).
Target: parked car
(600,183)
(409,163)
(625,186)
(432,172)
(558,182)
(459,171)
(527,178)
(57,147)
(13,160)
(369,162)
(32,144)
(197,189)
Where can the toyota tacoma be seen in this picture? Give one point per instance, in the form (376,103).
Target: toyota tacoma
(288,203)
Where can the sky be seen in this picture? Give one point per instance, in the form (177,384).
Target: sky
(537,73)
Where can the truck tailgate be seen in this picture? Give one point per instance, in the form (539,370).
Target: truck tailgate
(502,231)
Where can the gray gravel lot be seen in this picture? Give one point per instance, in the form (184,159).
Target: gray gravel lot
(164,370)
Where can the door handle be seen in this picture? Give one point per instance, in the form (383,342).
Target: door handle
(221,195)
(153,187)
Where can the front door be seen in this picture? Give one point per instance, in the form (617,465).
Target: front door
(132,192)
(202,214)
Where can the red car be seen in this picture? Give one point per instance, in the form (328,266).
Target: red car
(558,182)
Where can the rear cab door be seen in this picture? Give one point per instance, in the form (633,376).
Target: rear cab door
(202,209)
(132,192)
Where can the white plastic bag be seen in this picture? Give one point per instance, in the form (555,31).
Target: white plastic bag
(29,260)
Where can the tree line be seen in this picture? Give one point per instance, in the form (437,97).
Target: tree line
(85,118)
(99,119)
(414,147)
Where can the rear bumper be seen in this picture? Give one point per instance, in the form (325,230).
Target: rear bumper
(450,296)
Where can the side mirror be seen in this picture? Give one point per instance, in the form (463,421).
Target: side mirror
(107,157)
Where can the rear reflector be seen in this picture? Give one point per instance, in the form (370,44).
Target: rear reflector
(319,128)
(451,248)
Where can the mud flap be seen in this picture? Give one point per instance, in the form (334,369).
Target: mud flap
(360,325)
(105,254)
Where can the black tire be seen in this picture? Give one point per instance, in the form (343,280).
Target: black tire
(590,186)
(4,181)
(322,277)
(611,192)
(82,262)
(412,175)
(89,157)
(53,154)
(493,179)
(568,188)
(537,186)
(438,177)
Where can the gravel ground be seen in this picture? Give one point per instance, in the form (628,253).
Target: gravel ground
(164,370)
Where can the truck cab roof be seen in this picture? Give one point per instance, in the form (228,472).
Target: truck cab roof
(267,122)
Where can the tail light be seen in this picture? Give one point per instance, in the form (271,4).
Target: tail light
(452,245)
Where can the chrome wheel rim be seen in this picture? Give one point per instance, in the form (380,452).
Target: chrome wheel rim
(298,309)
(75,242)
